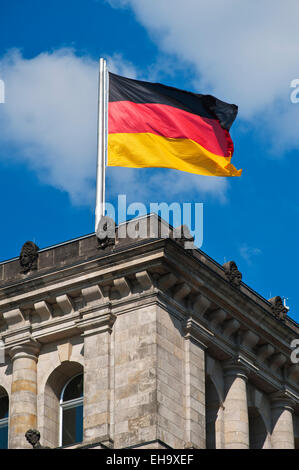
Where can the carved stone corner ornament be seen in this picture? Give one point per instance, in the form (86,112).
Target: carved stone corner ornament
(28,257)
(33,437)
(106,232)
(278,309)
(233,275)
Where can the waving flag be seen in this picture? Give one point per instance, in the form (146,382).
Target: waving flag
(154,125)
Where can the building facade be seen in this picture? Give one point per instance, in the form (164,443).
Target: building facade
(139,342)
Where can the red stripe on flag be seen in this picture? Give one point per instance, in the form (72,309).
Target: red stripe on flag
(168,121)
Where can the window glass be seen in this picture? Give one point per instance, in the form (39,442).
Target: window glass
(3,422)
(4,436)
(72,412)
(72,425)
(74,389)
(3,407)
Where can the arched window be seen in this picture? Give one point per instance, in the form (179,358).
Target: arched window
(3,419)
(71,411)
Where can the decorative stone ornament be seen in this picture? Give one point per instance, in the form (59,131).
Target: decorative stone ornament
(278,309)
(106,232)
(233,275)
(28,257)
(33,437)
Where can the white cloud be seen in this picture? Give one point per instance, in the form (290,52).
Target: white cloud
(50,117)
(242,51)
(117,64)
(166,185)
(248,252)
(49,121)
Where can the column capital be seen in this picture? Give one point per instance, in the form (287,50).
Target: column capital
(282,400)
(235,367)
(28,350)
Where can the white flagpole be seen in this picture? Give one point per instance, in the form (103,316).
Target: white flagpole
(102,141)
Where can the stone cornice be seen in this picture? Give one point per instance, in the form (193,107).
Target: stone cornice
(219,289)
(92,321)
(84,272)
(131,249)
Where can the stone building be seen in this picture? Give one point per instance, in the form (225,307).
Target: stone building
(142,343)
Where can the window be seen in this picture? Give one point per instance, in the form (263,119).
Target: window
(3,420)
(71,411)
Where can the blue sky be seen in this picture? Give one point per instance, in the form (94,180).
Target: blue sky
(244,54)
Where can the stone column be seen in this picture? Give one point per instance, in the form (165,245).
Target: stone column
(97,327)
(23,399)
(195,425)
(236,428)
(282,436)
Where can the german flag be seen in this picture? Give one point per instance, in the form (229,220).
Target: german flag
(154,125)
